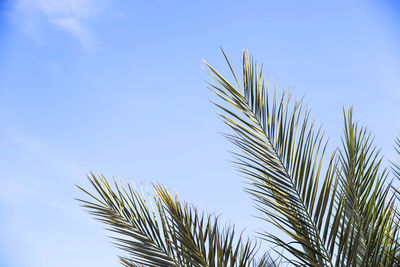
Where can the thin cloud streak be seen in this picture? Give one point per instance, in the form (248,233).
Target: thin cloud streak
(71,16)
(77,30)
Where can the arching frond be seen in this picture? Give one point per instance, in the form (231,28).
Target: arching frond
(395,168)
(171,234)
(368,206)
(282,153)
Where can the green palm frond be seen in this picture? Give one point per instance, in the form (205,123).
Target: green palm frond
(339,210)
(368,212)
(395,171)
(395,168)
(171,234)
(282,153)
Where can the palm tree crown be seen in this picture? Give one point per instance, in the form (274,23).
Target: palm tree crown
(336,209)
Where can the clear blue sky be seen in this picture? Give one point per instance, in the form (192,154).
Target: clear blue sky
(118,87)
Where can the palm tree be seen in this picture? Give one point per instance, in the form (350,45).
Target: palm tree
(335,210)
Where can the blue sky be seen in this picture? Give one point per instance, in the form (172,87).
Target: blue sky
(118,87)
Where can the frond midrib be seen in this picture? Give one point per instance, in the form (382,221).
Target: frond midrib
(268,138)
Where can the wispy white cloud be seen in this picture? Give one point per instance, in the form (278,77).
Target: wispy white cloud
(71,16)
(76,29)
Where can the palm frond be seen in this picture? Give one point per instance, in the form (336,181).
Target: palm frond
(395,168)
(282,153)
(171,234)
(368,212)
(126,213)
